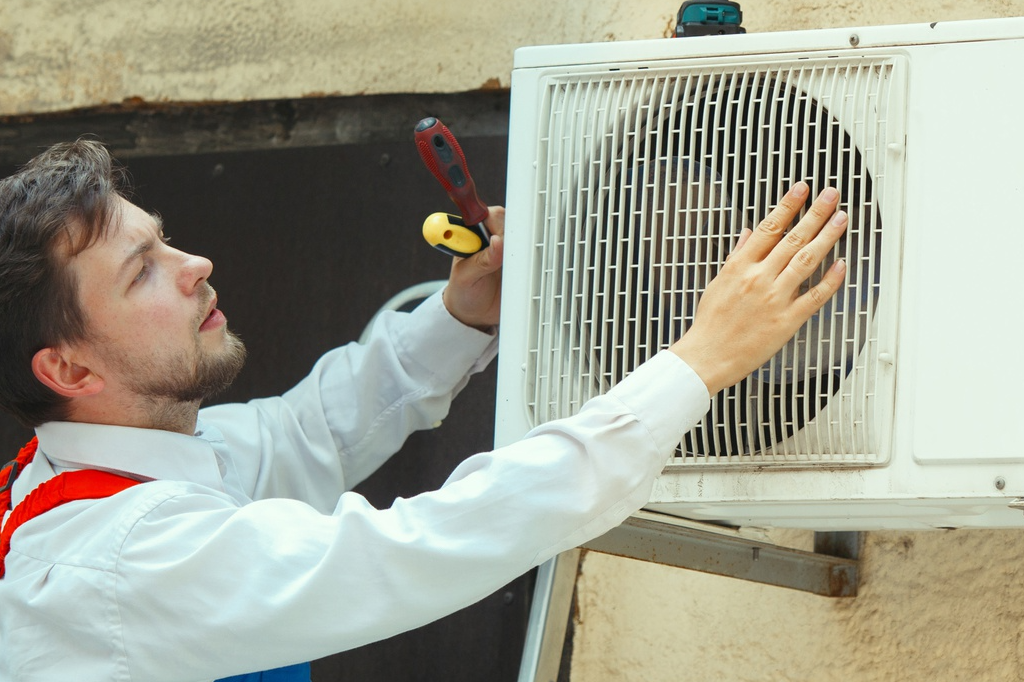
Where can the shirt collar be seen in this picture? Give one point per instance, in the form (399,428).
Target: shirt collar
(150,454)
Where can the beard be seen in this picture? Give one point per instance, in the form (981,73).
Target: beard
(182,379)
(189,376)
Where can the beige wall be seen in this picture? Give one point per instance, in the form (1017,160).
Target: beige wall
(63,54)
(59,54)
(933,606)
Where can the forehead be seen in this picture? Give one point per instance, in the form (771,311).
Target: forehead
(129,229)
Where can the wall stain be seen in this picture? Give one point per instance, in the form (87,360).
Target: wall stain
(6,46)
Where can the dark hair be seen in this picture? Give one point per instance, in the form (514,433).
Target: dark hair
(55,207)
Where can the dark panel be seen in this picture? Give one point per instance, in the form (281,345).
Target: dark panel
(306,245)
(143,129)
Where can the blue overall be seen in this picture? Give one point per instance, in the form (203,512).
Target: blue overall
(292,673)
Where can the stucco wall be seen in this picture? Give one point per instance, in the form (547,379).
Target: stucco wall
(63,54)
(58,54)
(933,606)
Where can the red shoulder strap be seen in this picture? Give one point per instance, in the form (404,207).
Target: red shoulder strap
(11,470)
(62,488)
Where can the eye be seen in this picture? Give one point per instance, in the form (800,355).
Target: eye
(143,271)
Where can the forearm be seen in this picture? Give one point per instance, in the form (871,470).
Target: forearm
(355,408)
(331,582)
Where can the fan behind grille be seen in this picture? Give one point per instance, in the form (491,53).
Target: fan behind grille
(647,177)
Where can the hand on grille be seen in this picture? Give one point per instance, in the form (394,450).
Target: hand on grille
(756,303)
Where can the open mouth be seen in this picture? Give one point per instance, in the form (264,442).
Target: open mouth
(215,318)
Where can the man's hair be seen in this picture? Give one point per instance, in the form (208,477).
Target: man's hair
(55,207)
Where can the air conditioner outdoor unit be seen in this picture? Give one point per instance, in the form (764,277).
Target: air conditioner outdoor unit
(634,165)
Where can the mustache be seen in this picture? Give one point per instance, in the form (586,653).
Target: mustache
(206,294)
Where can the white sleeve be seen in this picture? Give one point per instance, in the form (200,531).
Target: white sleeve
(355,409)
(290,584)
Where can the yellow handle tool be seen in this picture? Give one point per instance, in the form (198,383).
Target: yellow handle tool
(448,233)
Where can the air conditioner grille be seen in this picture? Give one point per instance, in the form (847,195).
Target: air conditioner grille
(646,176)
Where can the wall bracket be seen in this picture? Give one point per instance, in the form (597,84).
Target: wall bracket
(831,570)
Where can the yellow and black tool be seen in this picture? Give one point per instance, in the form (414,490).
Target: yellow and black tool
(448,233)
(443,156)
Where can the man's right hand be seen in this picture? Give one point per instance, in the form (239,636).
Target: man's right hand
(754,305)
(473,294)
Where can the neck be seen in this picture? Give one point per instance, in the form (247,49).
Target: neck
(147,413)
(172,416)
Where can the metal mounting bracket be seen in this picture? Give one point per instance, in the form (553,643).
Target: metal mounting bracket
(831,570)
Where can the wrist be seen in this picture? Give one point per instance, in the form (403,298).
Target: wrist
(466,320)
(704,361)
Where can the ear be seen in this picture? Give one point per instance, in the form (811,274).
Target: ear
(58,373)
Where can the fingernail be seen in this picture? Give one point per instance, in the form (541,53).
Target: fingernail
(799,189)
(830,194)
(839,218)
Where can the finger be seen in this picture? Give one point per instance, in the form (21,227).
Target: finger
(770,230)
(495,224)
(495,220)
(481,263)
(822,208)
(818,295)
(744,236)
(805,261)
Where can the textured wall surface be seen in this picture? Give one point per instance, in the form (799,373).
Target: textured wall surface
(64,54)
(60,54)
(933,606)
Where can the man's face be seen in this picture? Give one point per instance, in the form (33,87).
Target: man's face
(154,330)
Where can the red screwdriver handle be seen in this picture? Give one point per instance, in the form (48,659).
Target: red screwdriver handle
(442,154)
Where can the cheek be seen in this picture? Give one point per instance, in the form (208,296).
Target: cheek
(152,322)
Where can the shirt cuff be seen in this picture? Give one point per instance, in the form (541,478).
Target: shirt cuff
(667,396)
(443,345)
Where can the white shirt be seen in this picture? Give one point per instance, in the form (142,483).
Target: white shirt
(241,553)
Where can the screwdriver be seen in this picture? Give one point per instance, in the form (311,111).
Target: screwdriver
(457,236)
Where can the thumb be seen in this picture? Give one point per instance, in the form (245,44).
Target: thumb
(487,260)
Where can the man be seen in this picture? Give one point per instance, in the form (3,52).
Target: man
(230,544)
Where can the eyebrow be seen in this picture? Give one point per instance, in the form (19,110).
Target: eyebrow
(133,255)
(141,248)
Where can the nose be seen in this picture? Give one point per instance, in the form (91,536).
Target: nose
(194,271)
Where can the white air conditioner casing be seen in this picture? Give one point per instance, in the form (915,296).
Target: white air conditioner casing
(633,165)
